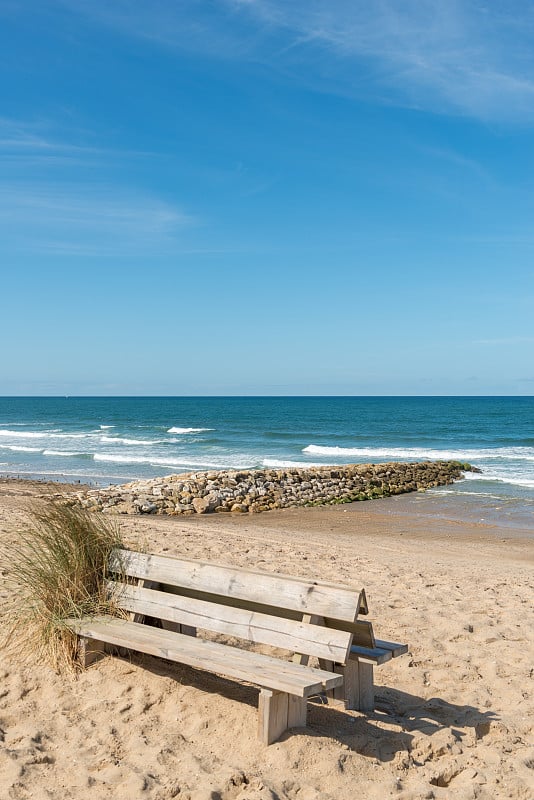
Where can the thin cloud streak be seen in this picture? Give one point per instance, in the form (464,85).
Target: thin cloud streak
(26,139)
(54,213)
(77,220)
(475,59)
(445,56)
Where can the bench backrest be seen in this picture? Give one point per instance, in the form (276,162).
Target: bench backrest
(252,592)
(256,627)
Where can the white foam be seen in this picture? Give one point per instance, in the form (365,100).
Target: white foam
(23,434)
(513,478)
(71,435)
(463,493)
(116,459)
(120,440)
(20,448)
(232,462)
(507,453)
(105,427)
(61,453)
(52,434)
(189,430)
(276,464)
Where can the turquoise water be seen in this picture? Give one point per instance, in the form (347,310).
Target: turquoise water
(110,440)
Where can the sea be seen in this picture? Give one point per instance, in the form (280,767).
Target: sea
(107,440)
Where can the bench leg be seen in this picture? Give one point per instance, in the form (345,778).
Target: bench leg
(358,688)
(357,692)
(367,689)
(297,709)
(278,711)
(89,651)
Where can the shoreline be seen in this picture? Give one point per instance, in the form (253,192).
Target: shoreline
(445,510)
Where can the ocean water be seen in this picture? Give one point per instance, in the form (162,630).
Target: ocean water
(113,440)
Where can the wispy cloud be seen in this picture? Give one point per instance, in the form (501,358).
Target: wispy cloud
(40,140)
(192,25)
(54,198)
(86,220)
(449,56)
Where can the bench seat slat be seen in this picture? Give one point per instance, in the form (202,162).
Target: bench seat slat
(297,594)
(396,648)
(261,670)
(373,655)
(298,637)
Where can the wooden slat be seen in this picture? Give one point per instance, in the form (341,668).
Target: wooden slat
(371,655)
(235,602)
(260,628)
(362,631)
(395,648)
(285,591)
(261,670)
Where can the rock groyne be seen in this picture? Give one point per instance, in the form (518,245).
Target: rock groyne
(252,491)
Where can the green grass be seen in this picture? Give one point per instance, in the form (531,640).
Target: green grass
(57,569)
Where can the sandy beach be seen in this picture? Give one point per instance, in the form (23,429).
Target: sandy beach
(454,717)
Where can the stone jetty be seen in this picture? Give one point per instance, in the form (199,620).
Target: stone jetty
(253,491)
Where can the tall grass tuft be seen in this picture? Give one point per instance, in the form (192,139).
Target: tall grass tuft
(58,569)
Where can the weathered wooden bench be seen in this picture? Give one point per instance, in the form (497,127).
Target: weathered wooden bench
(193,601)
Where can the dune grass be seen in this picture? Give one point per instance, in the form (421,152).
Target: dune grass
(57,569)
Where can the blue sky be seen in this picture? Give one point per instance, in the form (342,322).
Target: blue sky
(263,197)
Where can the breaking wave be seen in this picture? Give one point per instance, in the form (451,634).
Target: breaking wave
(274,463)
(20,448)
(523,453)
(189,430)
(22,434)
(64,453)
(194,463)
(120,440)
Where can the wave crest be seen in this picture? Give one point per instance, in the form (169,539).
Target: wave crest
(120,440)
(19,448)
(274,463)
(23,434)
(508,453)
(175,429)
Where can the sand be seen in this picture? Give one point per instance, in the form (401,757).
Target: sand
(454,717)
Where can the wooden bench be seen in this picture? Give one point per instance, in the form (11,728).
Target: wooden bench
(190,599)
